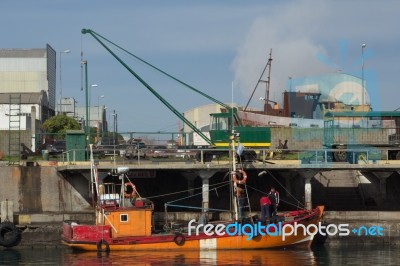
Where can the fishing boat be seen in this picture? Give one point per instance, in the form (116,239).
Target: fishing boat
(124,221)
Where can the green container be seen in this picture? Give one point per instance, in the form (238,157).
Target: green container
(76,145)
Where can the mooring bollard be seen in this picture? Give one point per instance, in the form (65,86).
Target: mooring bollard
(7,211)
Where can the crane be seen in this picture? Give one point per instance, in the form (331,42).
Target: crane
(256,137)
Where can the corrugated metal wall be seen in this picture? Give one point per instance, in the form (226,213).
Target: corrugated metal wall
(29,71)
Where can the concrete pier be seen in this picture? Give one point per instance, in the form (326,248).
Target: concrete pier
(205,177)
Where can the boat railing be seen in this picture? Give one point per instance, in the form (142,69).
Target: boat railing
(109,197)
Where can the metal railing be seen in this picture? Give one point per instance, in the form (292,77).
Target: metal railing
(306,156)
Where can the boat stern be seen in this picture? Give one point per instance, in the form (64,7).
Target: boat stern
(76,235)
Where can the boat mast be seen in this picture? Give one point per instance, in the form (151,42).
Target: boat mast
(234,187)
(268,82)
(93,175)
(233,160)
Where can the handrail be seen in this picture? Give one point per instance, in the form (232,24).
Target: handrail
(306,156)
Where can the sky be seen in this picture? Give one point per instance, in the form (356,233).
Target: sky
(218,47)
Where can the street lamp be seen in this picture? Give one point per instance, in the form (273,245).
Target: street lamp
(98,116)
(104,127)
(362,75)
(90,103)
(90,93)
(63,52)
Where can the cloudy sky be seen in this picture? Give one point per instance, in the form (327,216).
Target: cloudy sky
(212,45)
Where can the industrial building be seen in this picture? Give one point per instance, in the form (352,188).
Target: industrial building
(27,96)
(30,73)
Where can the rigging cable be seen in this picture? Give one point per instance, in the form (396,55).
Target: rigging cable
(161,71)
(187,190)
(282,186)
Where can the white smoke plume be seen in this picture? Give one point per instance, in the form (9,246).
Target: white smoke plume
(293,52)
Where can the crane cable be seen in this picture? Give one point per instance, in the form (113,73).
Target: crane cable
(144,83)
(159,70)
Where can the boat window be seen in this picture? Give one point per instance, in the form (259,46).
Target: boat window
(123,217)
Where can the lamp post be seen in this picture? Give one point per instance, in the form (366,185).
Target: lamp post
(90,103)
(362,75)
(98,116)
(63,52)
(115,115)
(86,102)
(104,127)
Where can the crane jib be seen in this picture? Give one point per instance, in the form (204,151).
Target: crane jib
(84,31)
(166,103)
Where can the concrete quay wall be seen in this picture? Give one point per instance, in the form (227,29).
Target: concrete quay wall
(40,190)
(366,228)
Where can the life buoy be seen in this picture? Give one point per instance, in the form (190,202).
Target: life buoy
(179,239)
(235,177)
(10,236)
(130,190)
(102,246)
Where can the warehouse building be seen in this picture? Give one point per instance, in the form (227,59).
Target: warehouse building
(27,92)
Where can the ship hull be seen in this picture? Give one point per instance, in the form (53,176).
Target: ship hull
(93,238)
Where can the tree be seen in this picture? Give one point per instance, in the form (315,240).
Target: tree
(59,125)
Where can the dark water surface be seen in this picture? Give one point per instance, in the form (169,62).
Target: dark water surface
(356,255)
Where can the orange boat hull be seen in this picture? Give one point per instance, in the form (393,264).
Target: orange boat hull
(198,242)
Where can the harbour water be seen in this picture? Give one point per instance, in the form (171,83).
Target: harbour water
(348,255)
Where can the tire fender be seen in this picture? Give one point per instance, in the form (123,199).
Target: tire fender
(179,239)
(10,236)
(102,246)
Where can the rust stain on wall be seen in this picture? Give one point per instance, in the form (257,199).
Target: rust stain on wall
(30,190)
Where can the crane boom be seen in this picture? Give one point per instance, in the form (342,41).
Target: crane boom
(161,71)
(165,102)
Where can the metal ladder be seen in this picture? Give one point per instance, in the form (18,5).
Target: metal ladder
(248,206)
(14,130)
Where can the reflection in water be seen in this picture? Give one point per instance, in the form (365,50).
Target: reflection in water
(44,256)
(357,255)
(345,255)
(235,257)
